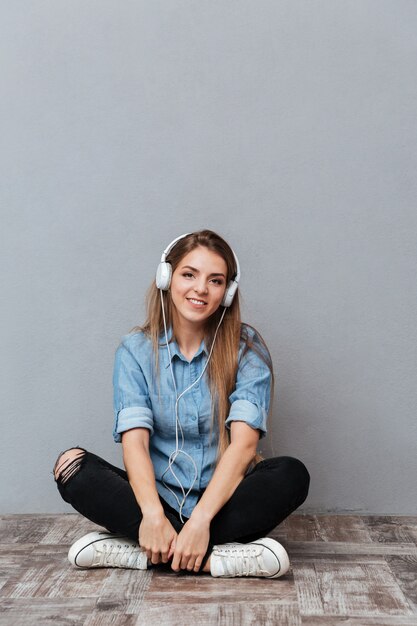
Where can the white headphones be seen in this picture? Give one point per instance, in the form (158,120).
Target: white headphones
(164,274)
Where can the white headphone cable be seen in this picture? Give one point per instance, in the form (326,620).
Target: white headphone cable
(179,450)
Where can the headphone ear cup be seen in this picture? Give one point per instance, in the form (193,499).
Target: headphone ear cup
(229,294)
(163,276)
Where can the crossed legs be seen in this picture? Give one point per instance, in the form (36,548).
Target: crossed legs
(101,492)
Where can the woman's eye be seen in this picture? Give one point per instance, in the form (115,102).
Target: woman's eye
(218,281)
(187,274)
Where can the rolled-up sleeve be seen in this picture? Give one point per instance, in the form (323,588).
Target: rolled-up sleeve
(251,396)
(132,407)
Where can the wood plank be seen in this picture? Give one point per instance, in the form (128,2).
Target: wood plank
(343,528)
(358,589)
(167,587)
(231,614)
(343,547)
(404,568)
(392,529)
(45,571)
(24,528)
(112,619)
(318,528)
(381,620)
(42,612)
(13,555)
(67,528)
(75,583)
(301,528)
(299,560)
(156,613)
(127,585)
(310,601)
(46,529)
(25,581)
(254,614)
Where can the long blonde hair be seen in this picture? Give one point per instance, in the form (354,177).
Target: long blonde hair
(222,369)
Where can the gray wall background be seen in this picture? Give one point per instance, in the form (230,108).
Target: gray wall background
(290,128)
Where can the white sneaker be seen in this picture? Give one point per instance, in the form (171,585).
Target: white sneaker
(99,549)
(265,558)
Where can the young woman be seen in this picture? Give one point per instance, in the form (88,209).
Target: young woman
(192,390)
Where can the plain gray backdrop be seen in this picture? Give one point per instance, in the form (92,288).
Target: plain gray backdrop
(287,126)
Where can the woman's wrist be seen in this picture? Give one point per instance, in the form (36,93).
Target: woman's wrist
(201,515)
(152,512)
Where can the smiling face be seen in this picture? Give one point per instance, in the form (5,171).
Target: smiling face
(198,285)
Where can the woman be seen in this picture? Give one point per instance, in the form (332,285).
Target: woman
(192,390)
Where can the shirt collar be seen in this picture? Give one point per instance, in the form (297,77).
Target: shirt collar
(175,351)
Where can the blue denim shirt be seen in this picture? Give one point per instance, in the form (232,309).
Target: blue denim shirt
(141,399)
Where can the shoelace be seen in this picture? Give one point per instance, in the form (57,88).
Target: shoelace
(118,555)
(242,561)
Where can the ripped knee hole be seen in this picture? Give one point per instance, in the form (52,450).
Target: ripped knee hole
(68,464)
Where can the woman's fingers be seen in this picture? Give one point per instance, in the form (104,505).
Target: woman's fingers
(164,555)
(171,549)
(175,565)
(184,561)
(156,557)
(160,556)
(181,561)
(157,539)
(189,562)
(194,564)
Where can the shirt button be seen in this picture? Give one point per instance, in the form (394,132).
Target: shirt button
(193,417)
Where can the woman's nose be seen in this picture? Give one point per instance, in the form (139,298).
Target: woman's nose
(200,287)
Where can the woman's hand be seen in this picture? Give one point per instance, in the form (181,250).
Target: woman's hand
(191,545)
(157,537)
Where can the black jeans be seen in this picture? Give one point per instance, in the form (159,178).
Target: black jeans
(272,490)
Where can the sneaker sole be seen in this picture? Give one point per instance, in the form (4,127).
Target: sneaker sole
(279,552)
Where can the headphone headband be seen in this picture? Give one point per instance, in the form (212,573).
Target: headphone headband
(164,274)
(171,245)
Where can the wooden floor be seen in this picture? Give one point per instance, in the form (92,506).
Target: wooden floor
(345,569)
